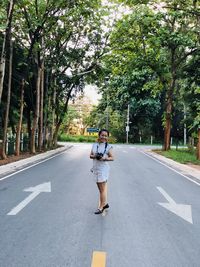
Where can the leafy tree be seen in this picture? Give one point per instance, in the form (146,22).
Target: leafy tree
(62,43)
(192,96)
(161,39)
(9,6)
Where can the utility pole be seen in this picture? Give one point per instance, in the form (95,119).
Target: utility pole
(107,109)
(107,113)
(127,125)
(185,127)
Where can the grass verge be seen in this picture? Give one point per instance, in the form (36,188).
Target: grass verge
(181,155)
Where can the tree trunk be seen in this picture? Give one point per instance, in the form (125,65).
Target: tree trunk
(55,135)
(167,132)
(36,115)
(5,39)
(46,108)
(28,116)
(169,103)
(47,131)
(53,116)
(19,127)
(198,145)
(41,132)
(4,156)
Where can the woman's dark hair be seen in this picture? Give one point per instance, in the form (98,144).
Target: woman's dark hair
(103,130)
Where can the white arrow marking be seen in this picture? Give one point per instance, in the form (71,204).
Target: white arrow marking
(46,187)
(183,211)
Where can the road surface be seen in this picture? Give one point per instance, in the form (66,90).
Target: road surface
(47,213)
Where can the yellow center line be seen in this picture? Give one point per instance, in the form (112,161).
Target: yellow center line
(98,259)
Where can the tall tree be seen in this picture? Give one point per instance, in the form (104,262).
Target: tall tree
(19,125)
(10,8)
(161,37)
(10,52)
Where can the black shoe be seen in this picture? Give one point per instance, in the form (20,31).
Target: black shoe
(98,211)
(106,206)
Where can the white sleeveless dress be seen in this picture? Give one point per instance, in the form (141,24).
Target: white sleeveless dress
(101,169)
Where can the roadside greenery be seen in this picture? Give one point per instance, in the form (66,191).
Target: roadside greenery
(57,45)
(153,49)
(82,138)
(76,138)
(145,60)
(181,155)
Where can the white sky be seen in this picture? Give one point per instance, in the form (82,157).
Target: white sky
(91,92)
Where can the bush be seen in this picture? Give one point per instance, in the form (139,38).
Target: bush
(82,138)
(77,138)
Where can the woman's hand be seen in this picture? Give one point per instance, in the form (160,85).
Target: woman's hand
(92,155)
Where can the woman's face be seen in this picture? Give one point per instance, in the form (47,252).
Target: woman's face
(103,137)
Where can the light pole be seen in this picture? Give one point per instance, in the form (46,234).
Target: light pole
(107,110)
(107,114)
(185,127)
(127,125)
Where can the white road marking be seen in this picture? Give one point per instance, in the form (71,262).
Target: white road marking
(183,211)
(188,178)
(46,187)
(26,168)
(124,151)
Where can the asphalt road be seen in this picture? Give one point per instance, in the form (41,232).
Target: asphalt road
(52,223)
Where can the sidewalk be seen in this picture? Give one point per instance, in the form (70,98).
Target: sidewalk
(24,163)
(189,171)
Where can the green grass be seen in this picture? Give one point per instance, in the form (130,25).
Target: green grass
(181,155)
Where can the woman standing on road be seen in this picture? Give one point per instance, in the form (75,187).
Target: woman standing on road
(101,153)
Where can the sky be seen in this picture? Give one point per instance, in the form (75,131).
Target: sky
(91,92)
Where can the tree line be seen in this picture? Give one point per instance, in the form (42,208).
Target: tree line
(153,67)
(147,58)
(49,50)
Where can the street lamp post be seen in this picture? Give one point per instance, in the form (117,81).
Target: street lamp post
(127,125)
(185,127)
(107,110)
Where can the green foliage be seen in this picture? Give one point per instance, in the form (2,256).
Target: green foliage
(191,93)
(67,39)
(150,49)
(182,155)
(133,2)
(68,119)
(76,138)
(83,138)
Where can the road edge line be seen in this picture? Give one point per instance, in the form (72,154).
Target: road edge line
(188,178)
(32,165)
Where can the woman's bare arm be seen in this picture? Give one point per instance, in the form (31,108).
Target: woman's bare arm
(110,156)
(92,155)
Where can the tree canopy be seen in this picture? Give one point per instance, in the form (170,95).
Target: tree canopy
(141,54)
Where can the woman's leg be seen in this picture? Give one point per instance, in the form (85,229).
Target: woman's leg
(106,192)
(103,194)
